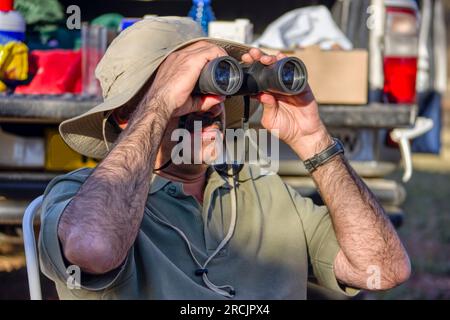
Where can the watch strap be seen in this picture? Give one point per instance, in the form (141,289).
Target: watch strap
(323,157)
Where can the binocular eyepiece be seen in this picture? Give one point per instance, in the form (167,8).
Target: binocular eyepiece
(226,76)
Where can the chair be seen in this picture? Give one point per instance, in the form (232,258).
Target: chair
(31,256)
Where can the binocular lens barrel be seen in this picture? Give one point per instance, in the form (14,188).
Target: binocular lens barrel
(292,76)
(225,76)
(221,76)
(287,76)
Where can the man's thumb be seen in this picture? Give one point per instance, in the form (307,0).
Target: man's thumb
(267,100)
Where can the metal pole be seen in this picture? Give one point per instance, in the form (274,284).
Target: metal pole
(31,256)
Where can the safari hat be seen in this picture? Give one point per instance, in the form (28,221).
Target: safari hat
(128,64)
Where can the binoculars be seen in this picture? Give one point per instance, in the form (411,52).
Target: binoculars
(226,76)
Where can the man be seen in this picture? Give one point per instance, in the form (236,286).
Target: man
(140,227)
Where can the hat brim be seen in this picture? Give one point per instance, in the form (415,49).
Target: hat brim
(84,133)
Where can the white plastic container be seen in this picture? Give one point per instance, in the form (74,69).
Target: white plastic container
(21,152)
(239,30)
(12,24)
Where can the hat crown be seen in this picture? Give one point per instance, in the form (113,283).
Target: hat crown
(126,67)
(140,45)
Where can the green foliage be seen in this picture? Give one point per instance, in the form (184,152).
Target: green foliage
(40,11)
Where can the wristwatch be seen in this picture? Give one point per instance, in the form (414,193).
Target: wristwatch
(323,157)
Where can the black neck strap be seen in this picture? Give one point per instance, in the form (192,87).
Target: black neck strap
(224,169)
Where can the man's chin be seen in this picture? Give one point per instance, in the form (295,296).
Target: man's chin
(206,157)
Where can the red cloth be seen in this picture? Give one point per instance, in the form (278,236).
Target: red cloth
(55,72)
(6,5)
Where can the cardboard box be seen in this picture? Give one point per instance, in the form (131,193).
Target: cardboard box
(336,77)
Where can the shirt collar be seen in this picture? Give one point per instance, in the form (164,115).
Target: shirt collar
(248,172)
(158,183)
(214,179)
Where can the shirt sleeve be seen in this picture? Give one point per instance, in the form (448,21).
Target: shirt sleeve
(57,196)
(321,241)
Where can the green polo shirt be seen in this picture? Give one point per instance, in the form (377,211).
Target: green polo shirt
(279,236)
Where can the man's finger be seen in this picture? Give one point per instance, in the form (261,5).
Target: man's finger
(268,60)
(198,59)
(201,45)
(256,54)
(206,102)
(247,58)
(209,52)
(304,98)
(267,100)
(203,48)
(199,104)
(215,110)
(281,56)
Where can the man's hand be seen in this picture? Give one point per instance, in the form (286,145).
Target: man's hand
(296,117)
(365,234)
(177,76)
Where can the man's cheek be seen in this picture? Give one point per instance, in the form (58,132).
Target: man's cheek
(209,153)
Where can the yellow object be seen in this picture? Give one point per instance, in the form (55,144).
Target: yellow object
(13,61)
(59,157)
(2,86)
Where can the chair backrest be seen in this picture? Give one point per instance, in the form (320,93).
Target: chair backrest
(31,255)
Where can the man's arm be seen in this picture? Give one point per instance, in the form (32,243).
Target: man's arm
(364,232)
(101,222)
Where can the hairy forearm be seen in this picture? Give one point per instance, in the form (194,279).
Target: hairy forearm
(102,220)
(364,232)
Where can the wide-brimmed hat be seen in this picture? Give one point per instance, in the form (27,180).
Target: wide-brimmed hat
(127,66)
